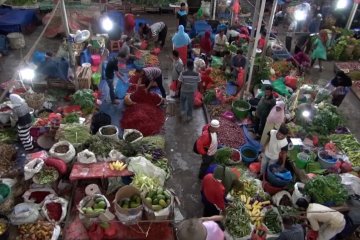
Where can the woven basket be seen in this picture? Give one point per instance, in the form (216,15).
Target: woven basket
(35,100)
(7,206)
(16,40)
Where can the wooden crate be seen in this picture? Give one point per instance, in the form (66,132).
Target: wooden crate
(84,77)
(59,83)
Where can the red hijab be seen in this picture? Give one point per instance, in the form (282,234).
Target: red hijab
(205,43)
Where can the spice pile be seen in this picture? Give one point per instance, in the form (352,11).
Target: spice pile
(145,118)
(7,152)
(143,96)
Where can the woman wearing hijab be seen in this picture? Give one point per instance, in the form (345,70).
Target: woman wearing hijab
(24,121)
(319,52)
(274,120)
(180,41)
(205,43)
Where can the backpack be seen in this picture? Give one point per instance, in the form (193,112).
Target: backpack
(4,45)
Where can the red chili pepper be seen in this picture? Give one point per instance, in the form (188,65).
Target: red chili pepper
(142,96)
(146,118)
(38,196)
(54,211)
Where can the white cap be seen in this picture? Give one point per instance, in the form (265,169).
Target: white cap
(215,123)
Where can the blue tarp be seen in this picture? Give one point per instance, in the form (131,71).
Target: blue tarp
(12,20)
(199,27)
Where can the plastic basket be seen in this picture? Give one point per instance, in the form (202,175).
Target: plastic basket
(245,157)
(274,180)
(241,109)
(301,160)
(5,191)
(325,163)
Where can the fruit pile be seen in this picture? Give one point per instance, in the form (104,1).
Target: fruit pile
(151,60)
(132,202)
(158,199)
(96,206)
(254,209)
(117,166)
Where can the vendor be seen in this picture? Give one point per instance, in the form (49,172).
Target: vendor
(229,177)
(237,62)
(341,83)
(24,121)
(206,145)
(129,24)
(291,230)
(274,120)
(262,41)
(205,43)
(326,221)
(266,103)
(99,120)
(151,75)
(277,146)
(220,43)
(157,30)
(227,61)
(232,35)
(111,71)
(204,228)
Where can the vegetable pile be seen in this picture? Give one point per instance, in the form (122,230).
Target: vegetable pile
(158,199)
(325,120)
(101,147)
(132,136)
(217,76)
(71,118)
(223,156)
(85,99)
(7,153)
(237,220)
(326,190)
(145,118)
(350,146)
(144,183)
(8,135)
(132,202)
(96,206)
(230,134)
(271,220)
(40,230)
(73,133)
(46,175)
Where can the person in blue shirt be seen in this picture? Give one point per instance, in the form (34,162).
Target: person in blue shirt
(182,15)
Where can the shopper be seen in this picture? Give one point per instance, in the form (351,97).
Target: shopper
(220,43)
(324,220)
(205,43)
(111,71)
(206,145)
(150,76)
(314,26)
(262,41)
(157,30)
(341,83)
(291,230)
(204,228)
(274,120)
(24,121)
(319,51)
(276,146)
(129,24)
(266,103)
(177,68)
(189,83)
(181,15)
(227,61)
(181,41)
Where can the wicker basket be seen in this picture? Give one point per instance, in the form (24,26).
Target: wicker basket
(7,206)
(35,100)
(16,40)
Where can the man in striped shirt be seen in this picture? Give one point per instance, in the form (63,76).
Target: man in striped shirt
(157,30)
(190,80)
(150,75)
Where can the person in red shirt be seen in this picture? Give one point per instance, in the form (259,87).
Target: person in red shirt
(206,145)
(262,42)
(129,24)
(205,43)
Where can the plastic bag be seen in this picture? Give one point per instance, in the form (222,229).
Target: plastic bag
(86,156)
(216,62)
(33,167)
(52,198)
(198,99)
(115,155)
(291,82)
(37,195)
(322,95)
(121,88)
(114,136)
(24,213)
(297,194)
(114,184)
(280,87)
(173,88)
(199,64)
(68,156)
(128,131)
(278,197)
(143,166)
(240,78)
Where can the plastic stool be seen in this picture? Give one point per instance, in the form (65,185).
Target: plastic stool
(115,45)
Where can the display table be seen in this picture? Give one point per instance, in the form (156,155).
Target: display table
(82,171)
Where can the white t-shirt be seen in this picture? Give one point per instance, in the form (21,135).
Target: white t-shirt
(213,144)
(220,42)
(318,214)
(274,147)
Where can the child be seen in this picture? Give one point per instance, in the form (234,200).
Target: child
(182,15)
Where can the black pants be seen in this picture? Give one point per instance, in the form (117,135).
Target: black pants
(259,124)
(110,83)
(162,36)
(288,42)
(209,208)
(206,162)
(160,85)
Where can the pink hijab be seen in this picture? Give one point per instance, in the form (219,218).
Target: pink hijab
(276,117)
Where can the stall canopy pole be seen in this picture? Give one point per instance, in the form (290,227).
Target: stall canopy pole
(352,15)
(271,21)
(70,47)
(214,9)
(256,44)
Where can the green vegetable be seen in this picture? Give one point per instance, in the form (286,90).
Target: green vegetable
(144,183)
(85,99)
(350,146)
(71,118)
(163,164)
(237,220)
(326,119)
(209,96)
(326,190)
(8,135)
(223,155)
(74,133)
(271,220)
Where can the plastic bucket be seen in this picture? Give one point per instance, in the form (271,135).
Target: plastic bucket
(95,59)
(249,154)
(301,160)
(325,163)
(275,180)
(241,109)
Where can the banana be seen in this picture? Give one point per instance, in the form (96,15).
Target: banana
(111,166)
(123,167)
